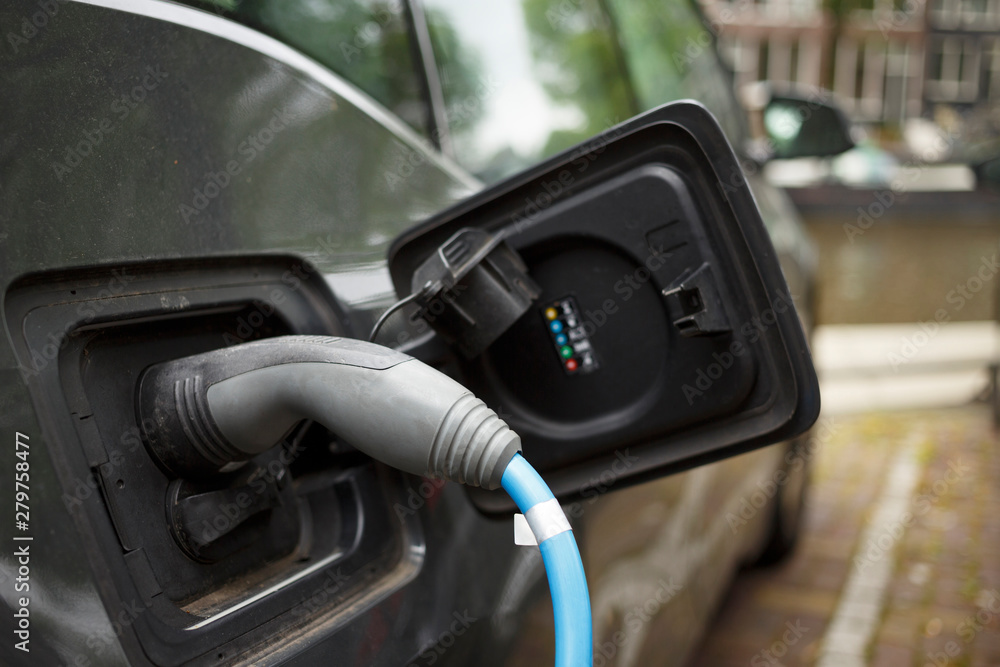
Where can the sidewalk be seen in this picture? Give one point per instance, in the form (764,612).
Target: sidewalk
(896,366)
(938,546)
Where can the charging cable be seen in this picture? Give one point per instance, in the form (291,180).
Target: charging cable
(561,556)
(207,414)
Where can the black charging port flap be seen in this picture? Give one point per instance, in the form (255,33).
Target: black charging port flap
(654,268)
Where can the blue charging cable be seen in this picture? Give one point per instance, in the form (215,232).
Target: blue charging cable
(563,566)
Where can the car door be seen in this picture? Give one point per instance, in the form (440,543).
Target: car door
(177,181)
(174,181)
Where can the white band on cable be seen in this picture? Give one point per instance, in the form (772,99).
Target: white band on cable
(547,520)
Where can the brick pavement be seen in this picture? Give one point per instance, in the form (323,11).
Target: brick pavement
(941,605)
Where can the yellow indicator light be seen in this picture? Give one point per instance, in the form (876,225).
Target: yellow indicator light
(551,313)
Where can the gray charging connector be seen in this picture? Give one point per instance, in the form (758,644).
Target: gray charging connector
(204,414)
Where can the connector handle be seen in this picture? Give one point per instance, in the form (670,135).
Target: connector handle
(205,413)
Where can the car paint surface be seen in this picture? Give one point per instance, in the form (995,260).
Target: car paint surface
(118,129)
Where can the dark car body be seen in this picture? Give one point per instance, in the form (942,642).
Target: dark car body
(164,170)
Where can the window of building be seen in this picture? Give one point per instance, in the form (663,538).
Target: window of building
(991,66)
(897,72)
(945,13)
(975,13)
(953,69)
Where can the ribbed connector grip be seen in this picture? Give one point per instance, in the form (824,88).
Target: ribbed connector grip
(203,413)
(473,445)
(193,418)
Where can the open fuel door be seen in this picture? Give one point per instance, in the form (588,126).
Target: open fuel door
(621,301)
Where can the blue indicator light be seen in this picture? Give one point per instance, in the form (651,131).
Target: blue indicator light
(561,339)
(556,326)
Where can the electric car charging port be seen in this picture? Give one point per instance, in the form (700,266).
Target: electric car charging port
(209,556)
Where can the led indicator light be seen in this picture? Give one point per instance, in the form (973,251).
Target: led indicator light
(568,335)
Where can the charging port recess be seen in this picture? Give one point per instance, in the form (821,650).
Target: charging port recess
(208,557)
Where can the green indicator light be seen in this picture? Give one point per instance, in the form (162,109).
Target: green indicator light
(566,351)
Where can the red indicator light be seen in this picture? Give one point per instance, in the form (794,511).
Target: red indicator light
(571,364)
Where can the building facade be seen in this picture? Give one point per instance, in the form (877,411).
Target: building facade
(886,60)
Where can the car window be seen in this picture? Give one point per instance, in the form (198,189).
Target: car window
(365,41)
(671,55)
(524,80)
